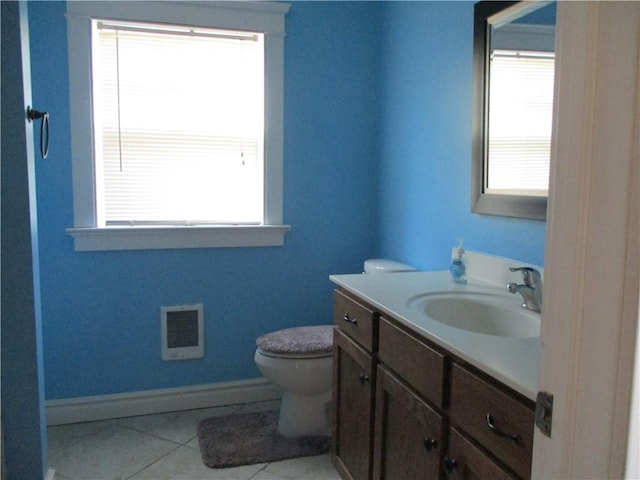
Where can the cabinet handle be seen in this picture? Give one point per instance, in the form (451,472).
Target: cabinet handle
(430,444)
(347,318)
(517,439)
(450,464)
(364,378)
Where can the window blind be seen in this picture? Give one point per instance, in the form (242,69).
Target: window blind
(178,124)
(521,113)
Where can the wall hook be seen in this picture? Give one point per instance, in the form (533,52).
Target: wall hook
(33,115)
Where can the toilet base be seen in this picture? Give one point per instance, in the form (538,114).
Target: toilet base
(304,415)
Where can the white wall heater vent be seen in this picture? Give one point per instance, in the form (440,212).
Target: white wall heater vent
(182,332)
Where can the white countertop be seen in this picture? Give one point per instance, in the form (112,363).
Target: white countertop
(513,361)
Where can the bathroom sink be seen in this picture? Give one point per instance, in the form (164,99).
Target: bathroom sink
(484,313)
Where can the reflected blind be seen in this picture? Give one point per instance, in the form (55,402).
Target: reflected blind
(178,124)
(521,112)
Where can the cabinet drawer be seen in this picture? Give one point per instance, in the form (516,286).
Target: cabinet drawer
(494,418)
(418,364)
(465,461)
(358,321)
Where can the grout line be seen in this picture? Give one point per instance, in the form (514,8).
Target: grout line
(77,440)
(154,461)
(150,434)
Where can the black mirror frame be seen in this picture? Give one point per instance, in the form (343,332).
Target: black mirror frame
(521,206)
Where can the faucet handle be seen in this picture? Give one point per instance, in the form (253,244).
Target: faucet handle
(530,275)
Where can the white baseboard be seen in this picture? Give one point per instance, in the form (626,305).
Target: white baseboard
(102,407)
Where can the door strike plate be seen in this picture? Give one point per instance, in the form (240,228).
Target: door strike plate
(544,412)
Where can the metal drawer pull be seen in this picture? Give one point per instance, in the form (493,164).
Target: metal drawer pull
(364,378)
(430,444)
(515,437)
(347,318)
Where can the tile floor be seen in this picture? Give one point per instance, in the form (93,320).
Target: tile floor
(162,447)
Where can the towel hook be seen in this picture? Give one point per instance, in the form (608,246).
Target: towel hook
(33,115)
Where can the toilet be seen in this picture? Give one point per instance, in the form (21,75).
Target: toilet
(383,265)
(299,360)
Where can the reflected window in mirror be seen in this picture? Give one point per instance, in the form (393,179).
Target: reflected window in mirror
(513,107)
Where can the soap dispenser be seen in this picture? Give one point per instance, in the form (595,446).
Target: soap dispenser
(458,268)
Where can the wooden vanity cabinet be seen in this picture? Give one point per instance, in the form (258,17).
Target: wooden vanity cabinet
(407,409)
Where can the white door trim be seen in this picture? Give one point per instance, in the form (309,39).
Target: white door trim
(592,263)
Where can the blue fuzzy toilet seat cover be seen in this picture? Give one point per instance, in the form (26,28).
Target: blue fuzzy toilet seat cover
(316,340)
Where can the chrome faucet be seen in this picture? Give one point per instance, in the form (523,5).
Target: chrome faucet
(530,289)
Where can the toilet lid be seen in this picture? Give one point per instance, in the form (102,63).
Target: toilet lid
(302,341)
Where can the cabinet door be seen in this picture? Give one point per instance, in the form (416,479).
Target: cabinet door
(408,433)
(353,389)
(464,461)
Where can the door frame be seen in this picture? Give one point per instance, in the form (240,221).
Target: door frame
(24,442)
(590,318)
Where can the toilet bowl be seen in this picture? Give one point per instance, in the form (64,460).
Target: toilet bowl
(299,361)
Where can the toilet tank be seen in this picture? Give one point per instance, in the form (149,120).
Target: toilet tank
(383,265)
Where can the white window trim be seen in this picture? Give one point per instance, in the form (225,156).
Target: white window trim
(267,17)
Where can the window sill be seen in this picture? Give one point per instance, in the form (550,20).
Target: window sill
(148,238)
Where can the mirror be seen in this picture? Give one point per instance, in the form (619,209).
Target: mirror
(513,68)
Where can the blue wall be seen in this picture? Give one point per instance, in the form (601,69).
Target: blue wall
(101,310)
(425,149)
(377,162)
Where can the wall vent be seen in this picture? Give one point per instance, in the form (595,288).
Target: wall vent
(182,332)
